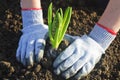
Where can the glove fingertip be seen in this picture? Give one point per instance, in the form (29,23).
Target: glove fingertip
(66,76)
(18,55)
(23,61)
(78,77)
(29,62)
(59,59)
(30,59)
(57,71)
(18,58)
(54,64)
(39,55)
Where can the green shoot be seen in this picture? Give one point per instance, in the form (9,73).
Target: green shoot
(58,25)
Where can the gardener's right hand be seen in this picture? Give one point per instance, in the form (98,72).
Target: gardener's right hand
(32,42)
(81,56)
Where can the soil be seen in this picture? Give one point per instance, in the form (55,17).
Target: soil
(84,17)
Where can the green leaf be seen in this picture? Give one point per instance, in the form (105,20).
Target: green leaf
(55,25)
(61,12)
(59,25)
(57,37)
(66,20)
(50,21)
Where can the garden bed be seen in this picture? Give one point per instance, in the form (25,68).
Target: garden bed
(82,21)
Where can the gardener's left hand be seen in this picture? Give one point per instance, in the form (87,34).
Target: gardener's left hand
(32,42)
(79,58)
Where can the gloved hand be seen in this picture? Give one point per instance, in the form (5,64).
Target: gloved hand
(81,56)
(32,42)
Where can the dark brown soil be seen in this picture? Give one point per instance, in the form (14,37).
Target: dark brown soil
(83,19)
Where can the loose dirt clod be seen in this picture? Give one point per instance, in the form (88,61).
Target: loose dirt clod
(37,68)
(6,69)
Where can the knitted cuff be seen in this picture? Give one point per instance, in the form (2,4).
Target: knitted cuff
(32,17)
(102,36)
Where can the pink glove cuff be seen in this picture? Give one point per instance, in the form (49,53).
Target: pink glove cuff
(25,9)
(107,29)
(102,35)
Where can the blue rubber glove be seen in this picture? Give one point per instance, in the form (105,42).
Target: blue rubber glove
(32,42)
(81,56)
